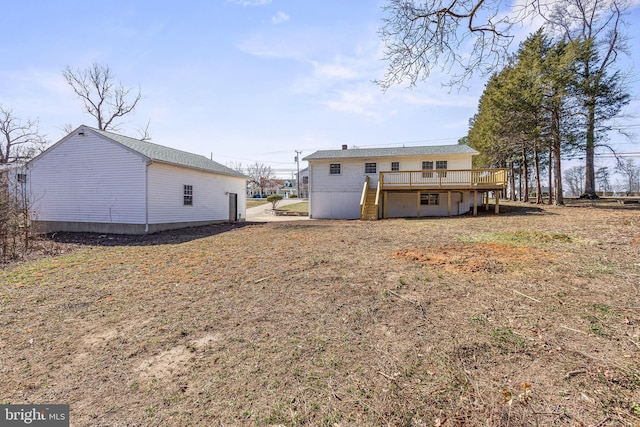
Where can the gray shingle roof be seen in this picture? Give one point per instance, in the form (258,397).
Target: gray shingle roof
(163,154)
(354,153)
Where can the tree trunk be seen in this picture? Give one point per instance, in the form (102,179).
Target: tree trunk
(512,181)
(590,170)
(536,171)
(525,174)
(550,192)
(556,149)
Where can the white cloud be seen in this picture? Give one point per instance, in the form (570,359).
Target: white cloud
(335,70)
(434,96)
(250,2)
(355,102)
(280,18)
(258,44)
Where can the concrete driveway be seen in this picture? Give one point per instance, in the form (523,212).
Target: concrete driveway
(256,214)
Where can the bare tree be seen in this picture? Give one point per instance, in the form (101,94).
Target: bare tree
(574,178)
(236,166)
(463,37)
(102,97)
(260,176)
(422,36)
(144,133)
(67,128)
(21,141)
(631,172)
(603,177)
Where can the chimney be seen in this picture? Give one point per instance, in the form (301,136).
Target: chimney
(344,146)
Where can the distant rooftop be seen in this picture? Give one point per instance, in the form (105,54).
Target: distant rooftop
(160,153)
(355,153)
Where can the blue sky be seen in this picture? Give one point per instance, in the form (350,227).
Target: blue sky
(243,81)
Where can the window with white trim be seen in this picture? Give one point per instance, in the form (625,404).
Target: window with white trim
(429,198)
(395,166)
(188,195)
(334,169)
(427,165)
(441,165)
(370,167)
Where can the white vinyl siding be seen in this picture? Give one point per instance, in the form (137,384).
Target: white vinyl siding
(333,205)
(405,205)
(210,203)
(91,179)
(88,179)
(338,197)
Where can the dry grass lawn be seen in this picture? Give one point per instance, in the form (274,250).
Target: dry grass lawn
(528,318)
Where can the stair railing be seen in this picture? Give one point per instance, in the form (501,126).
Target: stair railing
(363,199)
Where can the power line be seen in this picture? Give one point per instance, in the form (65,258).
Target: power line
(605,155)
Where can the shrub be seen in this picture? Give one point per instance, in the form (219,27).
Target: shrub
(274,199)
(15,231)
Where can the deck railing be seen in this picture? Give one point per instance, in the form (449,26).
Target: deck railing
(440,178)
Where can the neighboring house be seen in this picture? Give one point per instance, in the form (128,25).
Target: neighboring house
(13,178)
(398,182)
(303,178)
(98,181)
(269,186)
(288,188)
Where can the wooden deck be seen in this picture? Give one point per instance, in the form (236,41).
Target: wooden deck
(465,179)
(447,181)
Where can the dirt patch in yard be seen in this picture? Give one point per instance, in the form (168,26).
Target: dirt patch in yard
(527,318)
(474,257)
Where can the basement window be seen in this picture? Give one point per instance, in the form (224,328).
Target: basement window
(188,195)
(429,198)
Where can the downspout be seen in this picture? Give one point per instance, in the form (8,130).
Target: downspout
(309,190)
(146,196)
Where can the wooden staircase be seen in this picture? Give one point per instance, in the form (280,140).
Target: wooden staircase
(370,209)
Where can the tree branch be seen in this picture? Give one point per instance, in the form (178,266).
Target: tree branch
(101,98)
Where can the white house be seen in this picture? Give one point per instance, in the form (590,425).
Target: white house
(98,181)
(13,178)
(398,182)
(303,179)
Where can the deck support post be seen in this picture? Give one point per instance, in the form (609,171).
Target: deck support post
(449,203)
(486,201)
(475,202)
(384,205)
(418,205)
(497,202)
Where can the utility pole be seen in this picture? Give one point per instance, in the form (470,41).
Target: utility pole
(298,175)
